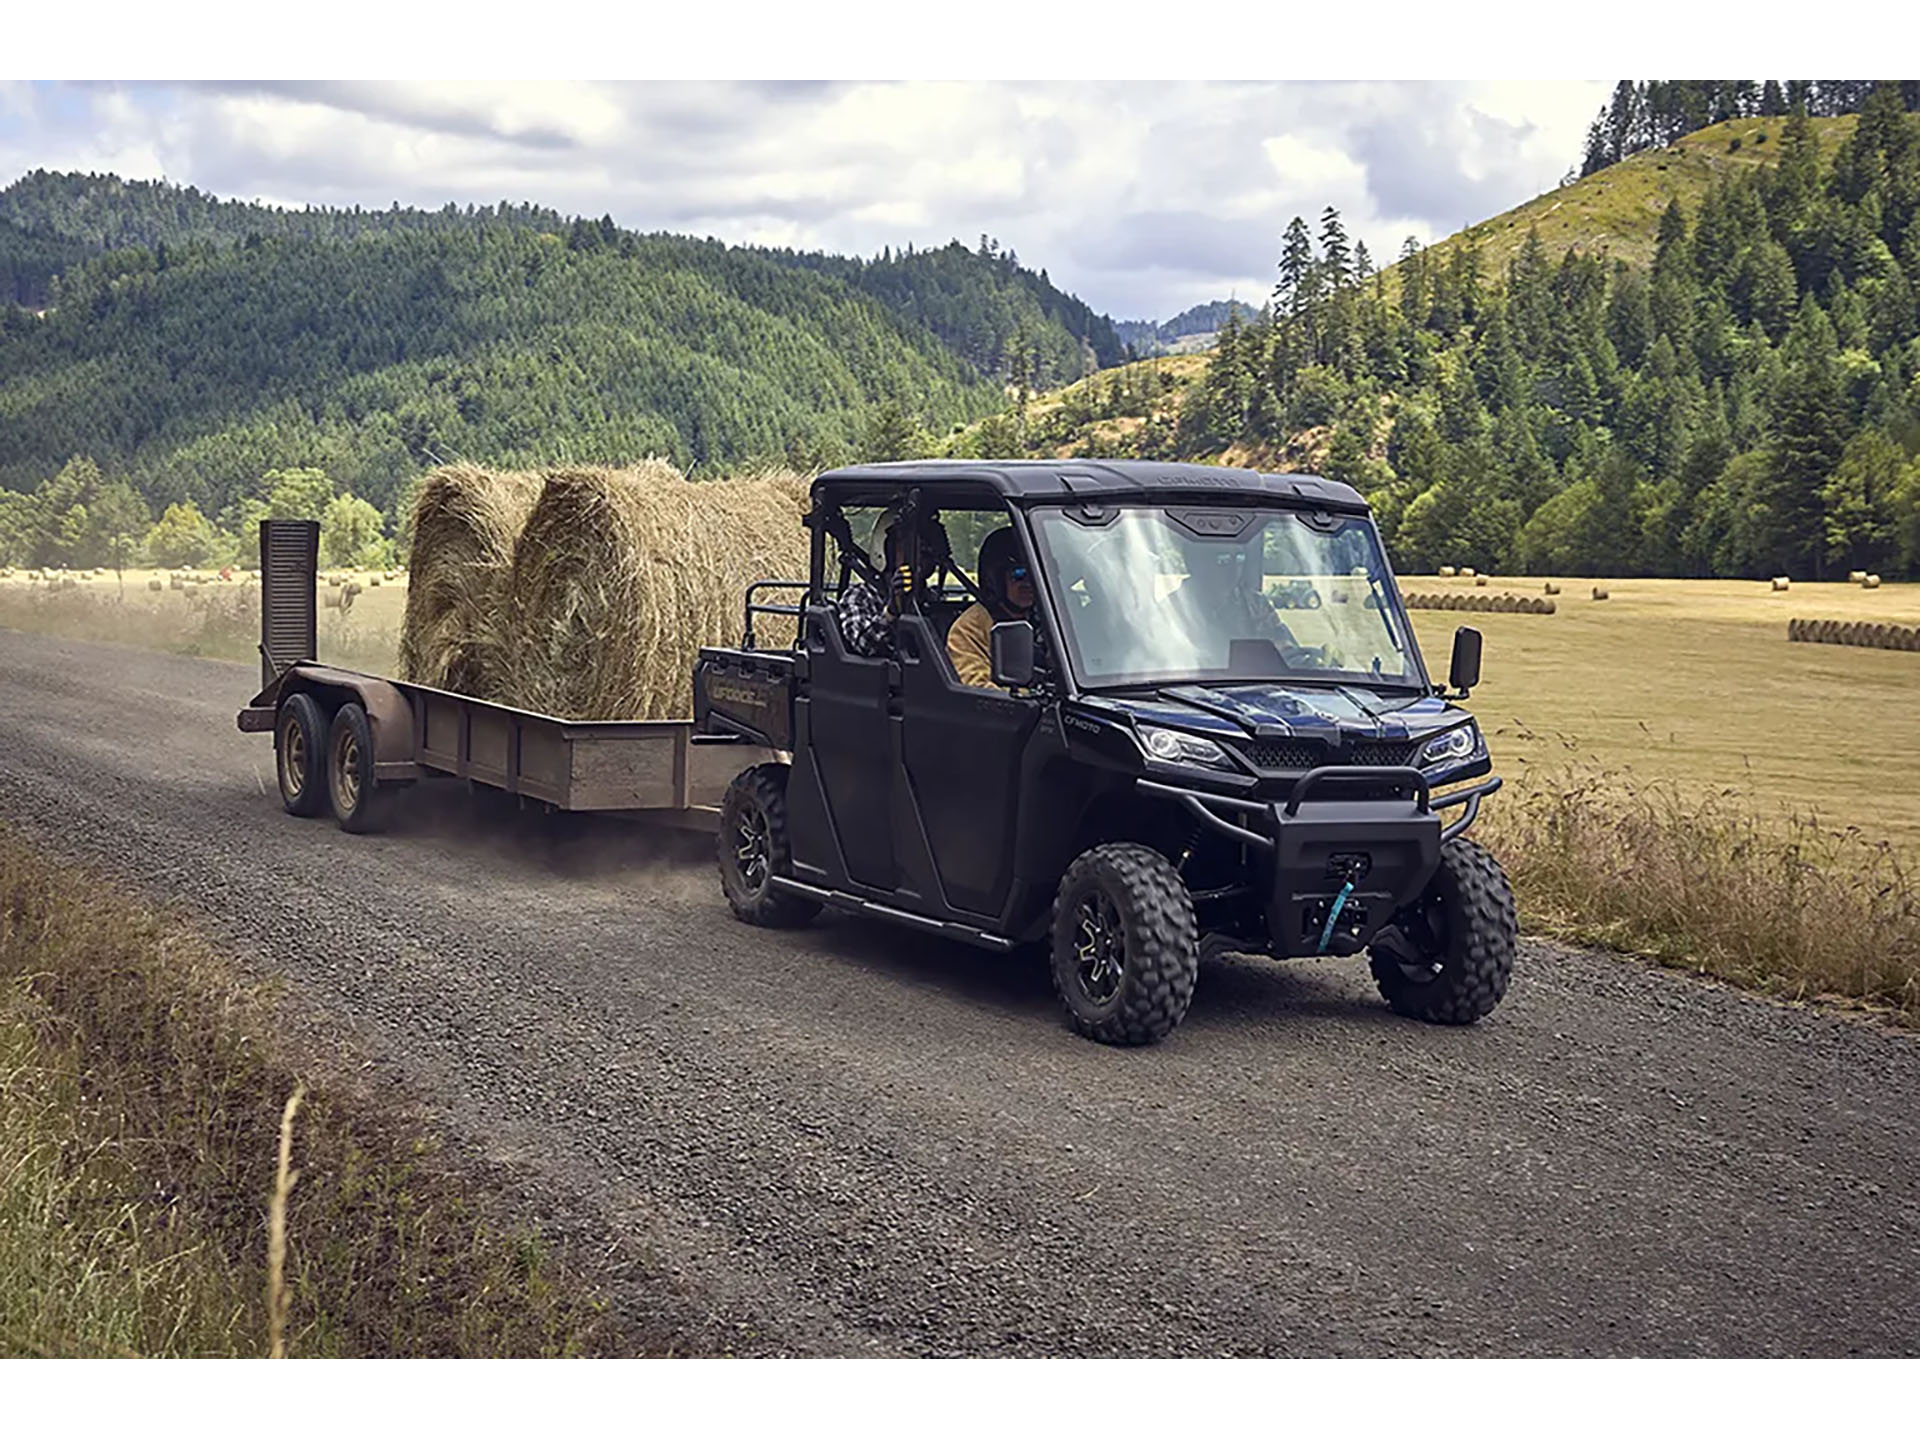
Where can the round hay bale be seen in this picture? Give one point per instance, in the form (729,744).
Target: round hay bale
(176,582)
(1551,588)
(620,577)
(1872,582)
(374,581)
(1467,571)
(1829,632)
(1446,572)
(1549,607)
(465,522)
(331,599)
(334,582)
(1479,579)
(1600,592)
(1883,637)
(156,585)
(1780,582)
(1854,577)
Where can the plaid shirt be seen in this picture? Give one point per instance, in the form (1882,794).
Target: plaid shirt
(866,625)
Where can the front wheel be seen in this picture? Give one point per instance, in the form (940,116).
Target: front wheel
(1448,956)
(754,848)
(1125,949)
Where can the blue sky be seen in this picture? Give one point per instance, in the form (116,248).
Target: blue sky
(1143,197)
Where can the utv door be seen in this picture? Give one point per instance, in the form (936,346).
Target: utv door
(961,751)
(840,795)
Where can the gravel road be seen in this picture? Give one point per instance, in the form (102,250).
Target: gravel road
(852,1140)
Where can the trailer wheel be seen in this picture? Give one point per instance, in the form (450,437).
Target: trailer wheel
(1125,952)
(753,848)
(299,752)
(1448,956)
(359,804)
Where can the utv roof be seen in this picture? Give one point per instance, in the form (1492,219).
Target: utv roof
(1043,480)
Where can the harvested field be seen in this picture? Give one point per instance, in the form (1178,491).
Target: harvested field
(1693,682)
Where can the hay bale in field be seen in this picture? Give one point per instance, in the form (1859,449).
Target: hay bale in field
(374,581)
(1466,571)
(1781,582)
(176,582)
(1854,577)
(1600,592)
(331,599)
(620,577)
(1872,582)
(156,584)
(1551,588)
(465,522)
(1796,628)
(1446,572)
(334,582)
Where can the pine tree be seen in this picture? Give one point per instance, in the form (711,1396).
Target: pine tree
(1336,260)
(1296,268)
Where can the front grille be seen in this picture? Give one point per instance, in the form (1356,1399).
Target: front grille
(1305,754)
(1382,752)
(1283,754)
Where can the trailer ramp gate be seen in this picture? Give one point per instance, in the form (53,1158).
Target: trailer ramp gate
(289,570)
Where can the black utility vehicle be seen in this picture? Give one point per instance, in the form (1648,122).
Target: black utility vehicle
(1212,731)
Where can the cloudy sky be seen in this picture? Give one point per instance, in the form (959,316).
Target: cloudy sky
(1141,197)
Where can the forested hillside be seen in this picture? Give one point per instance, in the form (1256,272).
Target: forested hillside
(1148,337)
(1745,403)
(1007,321)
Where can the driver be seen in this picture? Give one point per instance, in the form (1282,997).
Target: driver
(1216,598)
(1006,585)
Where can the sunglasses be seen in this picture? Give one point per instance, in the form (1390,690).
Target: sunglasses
(1018,572)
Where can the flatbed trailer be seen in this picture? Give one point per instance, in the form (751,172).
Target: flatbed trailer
(348,741)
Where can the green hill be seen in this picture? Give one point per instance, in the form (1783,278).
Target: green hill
(1699,361)
(191,343)
(195,371)
(1616,211)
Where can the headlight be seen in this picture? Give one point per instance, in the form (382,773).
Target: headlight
(1461,743)
(1179,748)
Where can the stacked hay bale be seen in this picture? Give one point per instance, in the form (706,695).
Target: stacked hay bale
(586,593)
(621,576)
(465,522)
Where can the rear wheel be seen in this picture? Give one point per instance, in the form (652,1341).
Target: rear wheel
(299,750)
(358,803)
(754,848)
(1125,949)
(1448,956)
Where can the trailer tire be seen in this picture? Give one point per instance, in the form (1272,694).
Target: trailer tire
(753,848)
(1125,948)
(359,803)
(300,755)
(1449,955)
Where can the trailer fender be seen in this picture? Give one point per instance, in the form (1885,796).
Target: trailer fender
(389,713)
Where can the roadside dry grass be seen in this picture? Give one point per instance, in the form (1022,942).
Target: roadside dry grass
(142,1088)
(217,620)
(1785,905)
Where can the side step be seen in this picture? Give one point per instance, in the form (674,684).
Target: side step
(854,905)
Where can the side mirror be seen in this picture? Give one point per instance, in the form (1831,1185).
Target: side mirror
(1011,649)
(1464,673)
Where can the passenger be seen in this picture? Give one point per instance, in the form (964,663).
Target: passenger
(865,613)
(1007,585)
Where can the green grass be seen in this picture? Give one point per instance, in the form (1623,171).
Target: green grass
(1617,210)
(142,1084)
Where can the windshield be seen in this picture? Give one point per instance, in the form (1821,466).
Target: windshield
(1163,594)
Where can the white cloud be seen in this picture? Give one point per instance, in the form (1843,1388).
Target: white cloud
(1142,197)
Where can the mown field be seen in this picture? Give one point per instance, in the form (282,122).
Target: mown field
(1695,682)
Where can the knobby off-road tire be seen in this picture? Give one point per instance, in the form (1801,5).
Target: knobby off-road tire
(1448,957)
(359,803)
(1125,947)
(300,755)
(753,848)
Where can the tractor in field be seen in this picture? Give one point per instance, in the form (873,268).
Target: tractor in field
(1176,754)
